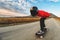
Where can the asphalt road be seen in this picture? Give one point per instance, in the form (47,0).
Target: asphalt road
(27,31)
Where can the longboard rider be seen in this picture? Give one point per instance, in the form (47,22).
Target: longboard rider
(42,14)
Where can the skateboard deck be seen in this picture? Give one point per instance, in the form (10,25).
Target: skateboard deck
(41,35)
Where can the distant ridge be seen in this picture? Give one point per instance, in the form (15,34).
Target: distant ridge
(9,13)
(52,15)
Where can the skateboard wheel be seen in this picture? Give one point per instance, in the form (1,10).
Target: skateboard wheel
(41,36)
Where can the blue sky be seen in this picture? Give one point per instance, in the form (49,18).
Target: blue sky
(23,6)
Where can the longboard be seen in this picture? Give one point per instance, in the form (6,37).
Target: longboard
(41,35)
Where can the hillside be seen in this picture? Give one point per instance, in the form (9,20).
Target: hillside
(52,15)
(9,13)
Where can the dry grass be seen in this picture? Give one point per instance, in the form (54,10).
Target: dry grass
(58,18)
(15,20)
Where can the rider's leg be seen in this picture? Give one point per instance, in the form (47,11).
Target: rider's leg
(42,24)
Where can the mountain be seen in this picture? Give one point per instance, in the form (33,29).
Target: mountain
(9,13)
(52,15)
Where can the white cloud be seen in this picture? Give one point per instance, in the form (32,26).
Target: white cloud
(24,5)
(2,0)
(32,0)
(21,4)
(35,1)
(54,0)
